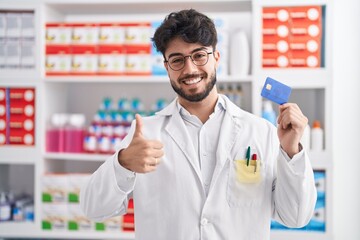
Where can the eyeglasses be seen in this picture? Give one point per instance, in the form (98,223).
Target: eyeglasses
(199,58)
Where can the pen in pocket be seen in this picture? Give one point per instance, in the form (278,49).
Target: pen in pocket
(254,157)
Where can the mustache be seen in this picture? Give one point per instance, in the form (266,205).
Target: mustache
(188,76)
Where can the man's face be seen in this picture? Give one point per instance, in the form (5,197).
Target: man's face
(192,82)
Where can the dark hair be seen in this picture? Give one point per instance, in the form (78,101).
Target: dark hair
(190,25)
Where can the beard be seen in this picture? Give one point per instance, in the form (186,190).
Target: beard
(196,97)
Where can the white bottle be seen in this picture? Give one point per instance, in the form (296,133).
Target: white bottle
(239,54)
(268,112)
(305,139)
(317,137)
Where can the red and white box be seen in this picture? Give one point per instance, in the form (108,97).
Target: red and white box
(58,34)
(292,37)
(58,60)
(22,116)
(85,34)
(3,116)
(111,60)
(84,60)
(111,34)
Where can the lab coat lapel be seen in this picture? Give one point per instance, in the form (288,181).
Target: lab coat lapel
(177,131)
(228,135)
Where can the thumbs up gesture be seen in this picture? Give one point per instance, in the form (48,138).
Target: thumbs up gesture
(142,155)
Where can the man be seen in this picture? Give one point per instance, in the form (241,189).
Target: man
(202,168)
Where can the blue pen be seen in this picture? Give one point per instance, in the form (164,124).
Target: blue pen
(248,156)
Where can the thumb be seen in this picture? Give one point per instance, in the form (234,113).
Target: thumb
(138,126)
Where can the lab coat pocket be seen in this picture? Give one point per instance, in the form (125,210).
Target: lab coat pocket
(245,183)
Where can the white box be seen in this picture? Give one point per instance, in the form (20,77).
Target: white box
(138,64)
(139,34)
(54,217)
(27,25)
(2,27)
(27,59)
(77,221)
(58,33)
(54,188)
(12,54)
(85,34)
(13,25)
(111,34)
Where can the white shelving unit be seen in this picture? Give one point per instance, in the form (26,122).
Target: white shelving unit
(71,93)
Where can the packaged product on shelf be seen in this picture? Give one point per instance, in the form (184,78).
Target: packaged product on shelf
(85,34)
(2,54)
(27,25)
(2,27)
(75,182)
(157,59)
(84,60)
(13,25)
(21,121)
(27,56)
(58,60)
(112,60)
(77,220)
(138,61)
(12,54)
(111,34)
(54,188)
(292,36)
(3,116)
(110,225)
(58,34)
(54,217)
(137,33)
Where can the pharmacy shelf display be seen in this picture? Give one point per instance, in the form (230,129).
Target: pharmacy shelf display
(81,60)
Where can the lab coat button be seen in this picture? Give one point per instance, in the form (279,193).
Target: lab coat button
(204,222)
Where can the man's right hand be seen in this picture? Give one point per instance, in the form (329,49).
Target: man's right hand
(141,155)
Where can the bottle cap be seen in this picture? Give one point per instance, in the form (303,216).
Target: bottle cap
(77,120)
(316,124)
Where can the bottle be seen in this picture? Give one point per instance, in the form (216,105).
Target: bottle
(240,54)
(55,133)
(305,139)
(5,208)
(74,134)
(268,112)
(317,137)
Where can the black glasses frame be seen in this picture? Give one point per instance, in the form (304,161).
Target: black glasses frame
(192,60)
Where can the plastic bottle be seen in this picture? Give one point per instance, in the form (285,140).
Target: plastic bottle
(268,112)
(240,54)
(305,139)
(5,208)
(74,133)
(55,133)
(317,137)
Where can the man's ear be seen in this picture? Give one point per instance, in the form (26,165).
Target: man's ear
(217,57)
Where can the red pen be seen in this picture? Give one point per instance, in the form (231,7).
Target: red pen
(254,157)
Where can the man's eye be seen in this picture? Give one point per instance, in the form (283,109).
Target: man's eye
(198,56)
(177,60)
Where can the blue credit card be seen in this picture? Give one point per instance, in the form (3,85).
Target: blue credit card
(276,91)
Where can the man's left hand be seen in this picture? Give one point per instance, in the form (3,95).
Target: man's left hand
(292,123)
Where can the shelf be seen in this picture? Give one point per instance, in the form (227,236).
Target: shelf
(297,78)
(19,155)
(30,229)
(132,79)
(77,157)
(320,160)
(298,235)
(145,6)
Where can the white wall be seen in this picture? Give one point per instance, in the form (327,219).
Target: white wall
(346,123)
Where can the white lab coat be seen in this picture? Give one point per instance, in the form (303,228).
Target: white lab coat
(170,203)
